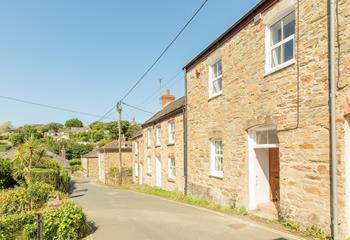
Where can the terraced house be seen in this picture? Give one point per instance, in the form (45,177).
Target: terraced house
(258,114)
(158,152)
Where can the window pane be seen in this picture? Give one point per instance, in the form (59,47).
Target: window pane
(273,139)
(217,69)
(276,33)
(289,25)
(261,137)
(288,49)
(276,56)
(217,85)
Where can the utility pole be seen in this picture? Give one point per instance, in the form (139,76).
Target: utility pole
(119,110)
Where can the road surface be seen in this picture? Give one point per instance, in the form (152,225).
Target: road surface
(122,214)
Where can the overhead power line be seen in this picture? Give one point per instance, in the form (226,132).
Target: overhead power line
(48,106)
(164,51)
(137,108)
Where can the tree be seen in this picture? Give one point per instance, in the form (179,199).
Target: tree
(52,126)
(6,127)
(132,130)
(24,133)
(97,126)
(74,122)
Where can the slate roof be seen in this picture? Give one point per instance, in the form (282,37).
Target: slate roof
(170,110)
(114,145)
(92,154)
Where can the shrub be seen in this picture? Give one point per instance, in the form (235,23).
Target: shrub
(66,222)
(64,180)
(76,168)
(74,122)
(11,225)
(6,179)
(74,162)
(25,199)
(45,175)
(4,148)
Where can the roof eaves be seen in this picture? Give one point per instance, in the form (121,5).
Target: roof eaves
(235,28)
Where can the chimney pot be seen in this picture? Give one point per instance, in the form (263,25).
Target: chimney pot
(167,98)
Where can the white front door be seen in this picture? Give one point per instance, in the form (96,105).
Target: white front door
(158,172)
(141,174)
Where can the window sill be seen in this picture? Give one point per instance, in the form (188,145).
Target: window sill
(157,146)
(172,180)
(149,174)
(217,175)
(214,96)
(171,144)
(280,67)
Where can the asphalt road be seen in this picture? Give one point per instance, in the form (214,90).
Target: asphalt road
(121,214)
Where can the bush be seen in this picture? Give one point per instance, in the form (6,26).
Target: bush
(74,122)
(4,148)
(58,178)
(12,225)
(6,179)
(44,175)
(74,162)
(66,222)
(22,199)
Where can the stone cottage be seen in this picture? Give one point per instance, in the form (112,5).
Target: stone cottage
(108,157)
(89,163)
(258,114)
(159,151)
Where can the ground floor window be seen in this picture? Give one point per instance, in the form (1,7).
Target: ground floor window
(136,170)
(149,165)
(171,168)
(216,157)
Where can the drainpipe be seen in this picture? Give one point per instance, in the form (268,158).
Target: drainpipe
(332,113)
(185,136)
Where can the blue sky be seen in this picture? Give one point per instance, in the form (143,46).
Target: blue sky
(86,54)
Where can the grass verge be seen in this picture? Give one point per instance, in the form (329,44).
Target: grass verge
(312,232)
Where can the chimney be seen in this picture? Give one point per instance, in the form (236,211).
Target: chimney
(167,98)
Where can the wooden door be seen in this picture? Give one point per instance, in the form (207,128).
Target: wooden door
(274,173)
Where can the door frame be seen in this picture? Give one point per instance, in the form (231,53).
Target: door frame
(252,163)
(158,172)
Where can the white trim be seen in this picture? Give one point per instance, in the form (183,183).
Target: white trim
(170,175)
(268,48)
(171,139)
(211,80)
(158,136)
(149,165)
(213,155)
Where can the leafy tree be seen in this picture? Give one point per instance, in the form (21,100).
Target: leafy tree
(6,179)
(75,150)
(74,122)
(6,126)
(23,133)
(97,125)
(132,130)
(52,126)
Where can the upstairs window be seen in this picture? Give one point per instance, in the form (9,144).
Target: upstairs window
(216,158)
(171,168)
(171,132)
(280,43)
(215,79)
(136,146)
(149,137)
(158,136)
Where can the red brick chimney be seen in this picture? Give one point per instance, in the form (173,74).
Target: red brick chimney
(167,98)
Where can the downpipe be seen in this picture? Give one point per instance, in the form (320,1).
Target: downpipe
(332,115)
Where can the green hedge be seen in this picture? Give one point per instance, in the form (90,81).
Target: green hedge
(25,199)
(75,162)
(12,225)
(4,148)
(67,222)
(6,179)
(58,178)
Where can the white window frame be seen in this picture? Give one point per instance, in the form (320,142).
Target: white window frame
(213,158)
(136,146)
(158,136)
(149,165)
(253,132)
(136,166)
(171,132)
(149,138)
(268,48)
(171,168)
(211,80)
